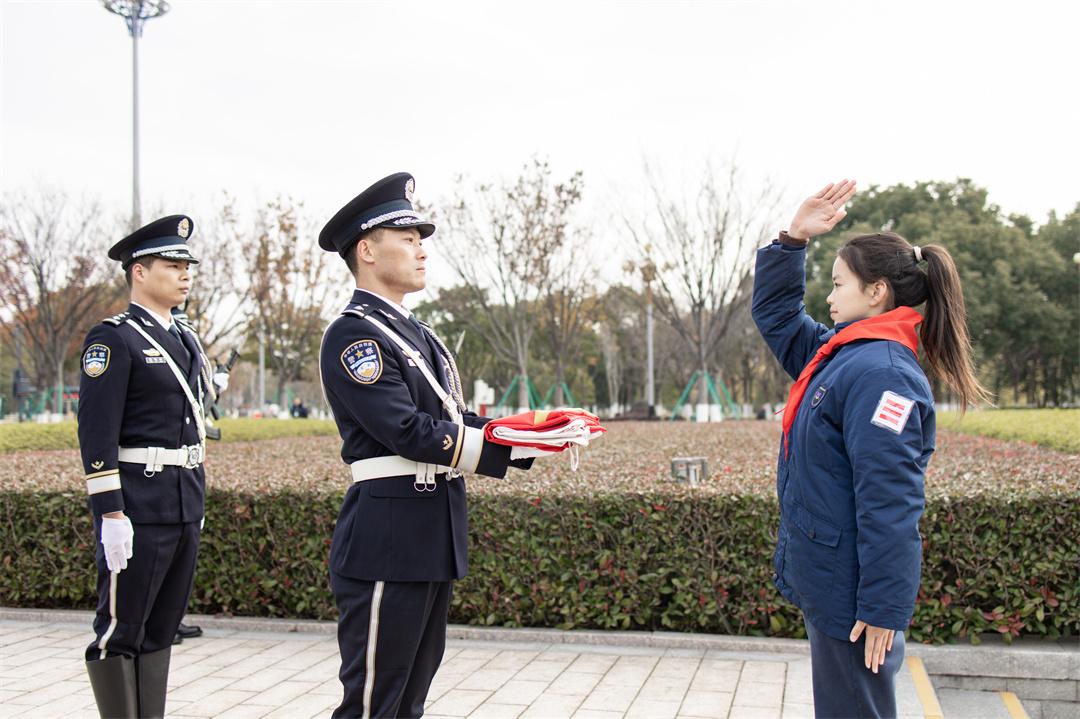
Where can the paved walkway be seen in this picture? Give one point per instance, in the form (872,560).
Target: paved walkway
(244,674)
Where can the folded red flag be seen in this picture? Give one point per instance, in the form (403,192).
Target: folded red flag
(551,430)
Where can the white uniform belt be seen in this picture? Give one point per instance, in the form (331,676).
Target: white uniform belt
(155,458)
(396,466)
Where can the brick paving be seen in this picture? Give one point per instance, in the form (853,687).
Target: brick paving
(244,674)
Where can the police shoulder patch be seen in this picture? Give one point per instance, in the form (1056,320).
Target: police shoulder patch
(96,360)
(362,360)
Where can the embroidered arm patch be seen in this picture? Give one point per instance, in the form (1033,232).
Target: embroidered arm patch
(892,412)
(95,360)
(362,361)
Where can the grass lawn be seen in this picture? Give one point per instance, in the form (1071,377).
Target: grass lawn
(1054,428)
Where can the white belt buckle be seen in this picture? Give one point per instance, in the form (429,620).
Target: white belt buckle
(192,456)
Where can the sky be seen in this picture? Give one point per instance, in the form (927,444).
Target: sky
(316,100)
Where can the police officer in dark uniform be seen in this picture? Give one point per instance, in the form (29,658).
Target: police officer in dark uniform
(396,397)
(141,435)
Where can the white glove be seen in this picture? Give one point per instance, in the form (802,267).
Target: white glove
(117,536)
(221,381)
(527,452)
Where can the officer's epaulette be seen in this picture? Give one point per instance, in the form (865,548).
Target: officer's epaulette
(117,320)
(360,311)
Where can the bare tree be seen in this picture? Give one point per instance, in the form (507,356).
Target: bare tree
(56,278)
(501,242)
(568,285)
(289,291)
(702,251)
(219,303)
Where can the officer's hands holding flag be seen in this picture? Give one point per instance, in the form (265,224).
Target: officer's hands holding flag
(542,433)
(117,536)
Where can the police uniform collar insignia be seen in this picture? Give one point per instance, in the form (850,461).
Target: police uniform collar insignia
(97,465)
(146,322)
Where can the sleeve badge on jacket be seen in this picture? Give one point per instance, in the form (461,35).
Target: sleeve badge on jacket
(892,412)
(95,360)
(363,361)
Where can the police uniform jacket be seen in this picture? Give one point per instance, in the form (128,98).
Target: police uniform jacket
(851,491)
(129,397)
(388,529)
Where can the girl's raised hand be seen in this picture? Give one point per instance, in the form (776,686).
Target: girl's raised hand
(820,213)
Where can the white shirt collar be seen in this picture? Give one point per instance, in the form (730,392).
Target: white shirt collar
(405,314)
(165,322)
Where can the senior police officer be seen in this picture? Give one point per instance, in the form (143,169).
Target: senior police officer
(395,394)
(141,435)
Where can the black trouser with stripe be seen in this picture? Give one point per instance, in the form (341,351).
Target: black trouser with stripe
(843,687)
(139,608)
(391,636)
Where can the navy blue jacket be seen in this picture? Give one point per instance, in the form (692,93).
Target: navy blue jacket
(128,397)
(851,490)
(388,530)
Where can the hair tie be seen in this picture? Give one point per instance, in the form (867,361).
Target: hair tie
(918,254)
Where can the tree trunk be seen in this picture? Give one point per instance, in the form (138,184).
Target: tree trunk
(559,399)
(523,385)
(60,385)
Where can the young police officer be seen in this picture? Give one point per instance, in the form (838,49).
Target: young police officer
(396,397)
(141,434)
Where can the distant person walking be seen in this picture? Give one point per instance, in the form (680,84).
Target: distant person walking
(858,432)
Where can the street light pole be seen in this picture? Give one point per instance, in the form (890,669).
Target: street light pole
(648,273)
(135,14)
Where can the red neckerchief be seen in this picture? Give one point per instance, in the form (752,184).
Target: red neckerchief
(896,325)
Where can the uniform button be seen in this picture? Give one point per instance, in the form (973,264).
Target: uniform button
(187,420)
(775,576)
(812,534)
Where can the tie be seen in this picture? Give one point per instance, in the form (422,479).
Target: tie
(453,376)
(175,332)
(897,325)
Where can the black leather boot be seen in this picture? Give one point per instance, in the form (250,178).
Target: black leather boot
(152,674)
(114,685)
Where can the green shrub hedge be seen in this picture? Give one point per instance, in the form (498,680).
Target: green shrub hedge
(648,561)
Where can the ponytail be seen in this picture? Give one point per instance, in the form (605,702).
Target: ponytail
(944,330)
(888,256)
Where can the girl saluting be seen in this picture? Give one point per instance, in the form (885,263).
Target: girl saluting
(858,434)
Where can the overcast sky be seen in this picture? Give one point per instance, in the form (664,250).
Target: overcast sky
(319,99)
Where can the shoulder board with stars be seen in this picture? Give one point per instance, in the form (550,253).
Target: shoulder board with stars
(117,320)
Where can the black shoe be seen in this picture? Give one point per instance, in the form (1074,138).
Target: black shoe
(113,682)
(177,639)
(188,632)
